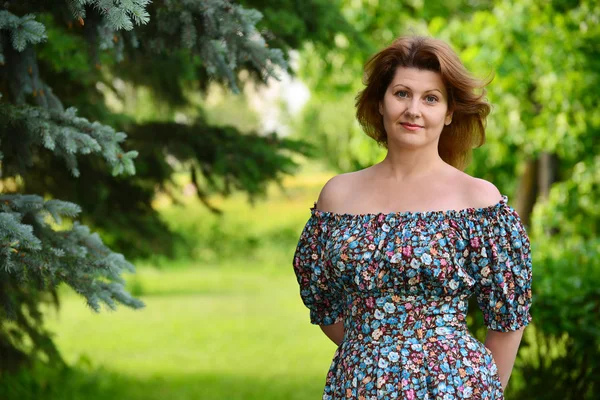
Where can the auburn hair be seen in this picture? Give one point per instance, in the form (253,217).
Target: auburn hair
(465,94)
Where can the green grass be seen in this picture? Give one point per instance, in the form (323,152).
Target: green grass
(230,325)
(235,333)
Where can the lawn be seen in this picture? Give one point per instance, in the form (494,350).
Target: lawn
(231,333)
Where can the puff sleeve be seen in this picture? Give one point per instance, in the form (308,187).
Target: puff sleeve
(310,266)
(500,261)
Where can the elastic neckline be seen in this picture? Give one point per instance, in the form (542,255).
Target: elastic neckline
(414,214)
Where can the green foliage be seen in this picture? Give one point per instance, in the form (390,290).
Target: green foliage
(22,30)
(35,259)
(23,129)
(290,24)
(62,52)
(572,206)
(567,280)
(158,59)
(221,33)
(567,310)
(117,14)
(542,93)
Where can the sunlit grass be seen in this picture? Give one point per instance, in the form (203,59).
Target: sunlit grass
(236,325)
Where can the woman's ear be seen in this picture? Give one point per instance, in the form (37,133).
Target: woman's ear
(448,119)
(380,108)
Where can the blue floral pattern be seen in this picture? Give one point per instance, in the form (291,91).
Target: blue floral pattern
(400,282)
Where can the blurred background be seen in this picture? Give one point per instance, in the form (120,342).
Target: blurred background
(188,140)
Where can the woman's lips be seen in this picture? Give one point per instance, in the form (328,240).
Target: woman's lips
(411,127)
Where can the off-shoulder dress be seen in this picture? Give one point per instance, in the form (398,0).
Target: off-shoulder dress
(400,282)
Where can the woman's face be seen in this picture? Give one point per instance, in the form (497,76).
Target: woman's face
(415,107)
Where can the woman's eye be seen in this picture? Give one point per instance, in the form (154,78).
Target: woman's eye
(402,93)
(431,99)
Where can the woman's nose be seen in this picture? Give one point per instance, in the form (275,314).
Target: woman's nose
(413,108)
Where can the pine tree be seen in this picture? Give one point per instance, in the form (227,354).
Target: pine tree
(45,146)
(34,256)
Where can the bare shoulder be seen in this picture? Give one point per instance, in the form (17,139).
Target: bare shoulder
(476,192)
(483,193)
(335,190)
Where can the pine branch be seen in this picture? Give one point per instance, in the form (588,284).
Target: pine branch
(32,250)
(22,30)
(24,128)
(119,14)
(222,33)
(220,159)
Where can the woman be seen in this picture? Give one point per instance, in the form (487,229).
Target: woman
(391,254)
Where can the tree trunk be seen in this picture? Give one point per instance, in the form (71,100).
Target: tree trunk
(527,191)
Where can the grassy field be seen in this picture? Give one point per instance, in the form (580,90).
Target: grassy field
(229,327)
(235,333)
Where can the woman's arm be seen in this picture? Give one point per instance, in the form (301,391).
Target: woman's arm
(333,190)
(334,332)
(504,347)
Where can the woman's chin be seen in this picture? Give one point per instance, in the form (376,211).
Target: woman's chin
(408,139)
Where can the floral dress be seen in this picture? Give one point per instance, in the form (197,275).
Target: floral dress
(400,282)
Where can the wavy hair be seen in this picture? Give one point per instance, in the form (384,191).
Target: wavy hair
(465,94)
